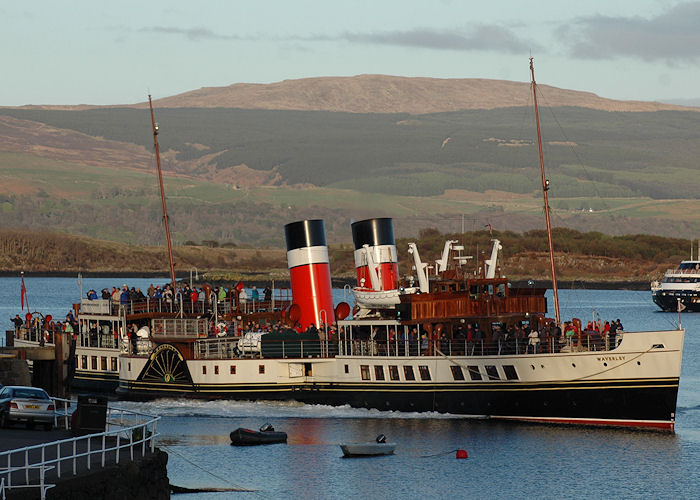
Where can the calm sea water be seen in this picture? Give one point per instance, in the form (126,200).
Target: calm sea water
(505,460)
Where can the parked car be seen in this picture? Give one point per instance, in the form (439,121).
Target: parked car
(26,404)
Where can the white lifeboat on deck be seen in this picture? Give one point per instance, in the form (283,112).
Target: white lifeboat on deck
(380,299)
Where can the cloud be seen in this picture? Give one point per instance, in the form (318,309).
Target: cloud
(672,36)
(478,38)
(482,37)
(194,34)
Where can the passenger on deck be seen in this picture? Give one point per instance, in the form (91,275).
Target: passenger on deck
(124,296)
(424,345)
(255,294)
(243,299)
(533,341)
(311,328)
(569,332)
(92,295)
(267,293)
(444,343)
(17,322)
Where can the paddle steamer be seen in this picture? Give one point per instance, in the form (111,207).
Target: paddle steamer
(457,340)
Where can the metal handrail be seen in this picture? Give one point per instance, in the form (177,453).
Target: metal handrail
(120,425)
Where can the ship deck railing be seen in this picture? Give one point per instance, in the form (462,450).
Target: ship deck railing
(181,305)
(127,434)
(229,347)
(32,334)
(148,306)
(682,271)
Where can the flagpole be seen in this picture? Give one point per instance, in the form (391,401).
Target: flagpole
(23,294)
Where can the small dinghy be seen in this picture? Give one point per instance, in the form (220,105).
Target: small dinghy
(249,437)
(370,449)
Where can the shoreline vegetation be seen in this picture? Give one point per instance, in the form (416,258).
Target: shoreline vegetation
(584,260)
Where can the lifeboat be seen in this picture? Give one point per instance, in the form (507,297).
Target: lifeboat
(249,437)
(380,299)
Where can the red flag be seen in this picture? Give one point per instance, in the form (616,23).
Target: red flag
(23,294)
(239,286)
(490,229)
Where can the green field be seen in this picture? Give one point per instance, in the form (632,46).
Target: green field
(618,173)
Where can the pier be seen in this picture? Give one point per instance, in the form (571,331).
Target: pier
(120,462)
(50,361)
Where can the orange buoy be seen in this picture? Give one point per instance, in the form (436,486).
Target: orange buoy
(462,454)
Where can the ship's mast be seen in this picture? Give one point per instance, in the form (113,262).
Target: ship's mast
(545,188)
(162,195)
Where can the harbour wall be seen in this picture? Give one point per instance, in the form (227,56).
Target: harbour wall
(145,478)
(14,371)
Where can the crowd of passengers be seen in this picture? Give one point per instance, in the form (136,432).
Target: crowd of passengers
(470,339)
(125,295)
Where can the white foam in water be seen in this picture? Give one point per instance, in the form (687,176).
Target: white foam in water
(278,409)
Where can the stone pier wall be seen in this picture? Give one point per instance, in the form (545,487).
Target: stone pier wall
(14,371)
(146,478)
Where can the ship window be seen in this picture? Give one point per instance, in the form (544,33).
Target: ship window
(510,372)
(378,372)
(204,369)
(424,372)
(261,369)
(657,346)
(113,362)
(347,369)
(492,372)
(103,363)
(364,372)
(232,369)
(393,372)
(83,362)
(457,372)
(93,362)
(128,366)
(474,373)
(408,373)
(76,362)
(216,369)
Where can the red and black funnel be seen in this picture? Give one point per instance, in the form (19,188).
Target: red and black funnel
(309,271)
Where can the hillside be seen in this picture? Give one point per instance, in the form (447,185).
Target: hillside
(580,257)
(238,175)
(386,94)
(22,250)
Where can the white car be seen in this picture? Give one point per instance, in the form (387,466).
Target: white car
(26,404)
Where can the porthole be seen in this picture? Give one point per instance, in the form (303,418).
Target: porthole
(573,364)
(639,363)
(605,364)
(541,366)
(532,366)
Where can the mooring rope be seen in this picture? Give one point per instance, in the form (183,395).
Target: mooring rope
(441,453)
(225,480)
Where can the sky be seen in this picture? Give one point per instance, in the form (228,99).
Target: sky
(96,52)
